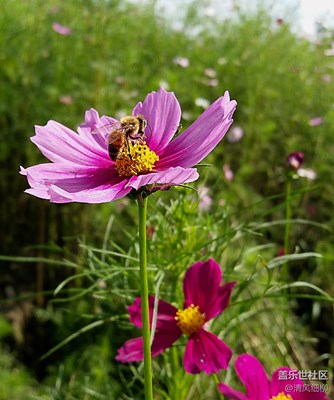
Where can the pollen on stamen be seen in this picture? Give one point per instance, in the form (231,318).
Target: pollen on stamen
(138,159)
(281,396)
(190,320)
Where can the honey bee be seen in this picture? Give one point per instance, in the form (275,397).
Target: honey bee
(121,134)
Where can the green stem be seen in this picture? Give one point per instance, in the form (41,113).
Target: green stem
(287,249)
(216,379)
(288,212)
(142,211)
(288,217)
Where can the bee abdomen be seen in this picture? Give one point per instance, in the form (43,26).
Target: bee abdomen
(113,152)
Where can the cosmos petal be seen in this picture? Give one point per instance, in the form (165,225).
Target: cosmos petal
(163,114)
(200,285)
(68,183)
(60,144)
(165,316)
(169,177)
(206,352)
(196,142)
(230,393)
(93,121)
(132,350)
(221,301)
(253,377)
(102,194)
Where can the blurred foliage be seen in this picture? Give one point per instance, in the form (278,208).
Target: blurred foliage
(116,53)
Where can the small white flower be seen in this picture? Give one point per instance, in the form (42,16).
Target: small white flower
(210,72)
(235,134)
(222,60)
(201,102)
(209,12)
(187,115)
(66,99)
(329,52)
(205,199)
(181,61)
(164,84)
(307,173)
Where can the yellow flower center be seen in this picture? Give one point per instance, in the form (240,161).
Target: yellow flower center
(190,320)
(281,396)
(136,159)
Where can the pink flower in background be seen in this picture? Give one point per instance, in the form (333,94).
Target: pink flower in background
(329,52)
(62,30)
(81,169)
(204,299)
(316,121)
(228,173)
(281,252)
(212,82)
(283,385)
(235,134)
(66,99)
(295,159)
(205,200)
(182,61)
(210,72)
(326,78)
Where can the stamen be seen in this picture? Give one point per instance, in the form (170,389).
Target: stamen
(281,396)
(190,320)
(137,159)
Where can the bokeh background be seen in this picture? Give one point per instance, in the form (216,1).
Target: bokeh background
(69,271)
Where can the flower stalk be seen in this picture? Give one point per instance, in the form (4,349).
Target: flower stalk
(219,393)
(288,212)
(142,213)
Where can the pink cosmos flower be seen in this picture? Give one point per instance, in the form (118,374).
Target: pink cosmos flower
(235,134)
(205,200)
(62,30)
(284,384)
(82,171)
(204,299)
(181,61)
(228,173)
(295,159)
(66,99)
(316,121)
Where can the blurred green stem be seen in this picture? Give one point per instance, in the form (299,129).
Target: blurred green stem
(216,379)
(287,232)
(142,212)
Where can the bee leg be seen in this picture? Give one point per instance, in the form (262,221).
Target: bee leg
(128,148)
(178,129)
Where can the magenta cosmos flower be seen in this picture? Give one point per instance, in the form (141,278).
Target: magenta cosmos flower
(204,299)
(82,171)
(62,30)
(295,160)
(283,385)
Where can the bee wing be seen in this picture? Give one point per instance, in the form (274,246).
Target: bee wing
(114,136)
(106,130)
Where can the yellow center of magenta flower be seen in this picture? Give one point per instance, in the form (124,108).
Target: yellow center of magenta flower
(137,159)
(281,396)
(190,320)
